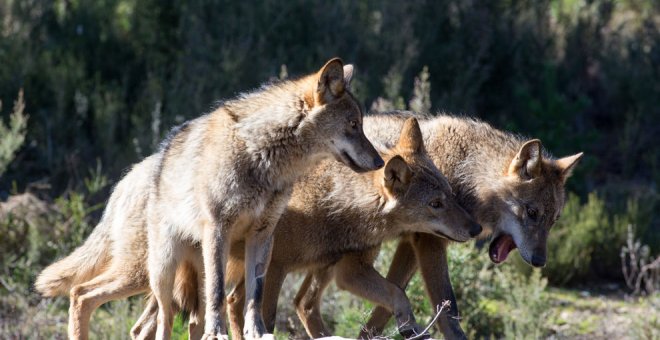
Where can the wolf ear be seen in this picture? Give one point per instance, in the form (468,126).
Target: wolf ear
(330,81)
(567,164)
(397,175)
(348,76)
(411,138)
(527,163)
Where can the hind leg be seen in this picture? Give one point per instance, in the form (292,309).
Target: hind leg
(308,302)
(145,326)
(272,286)
(235,303)
(164,256)
(194,300)
(86,297)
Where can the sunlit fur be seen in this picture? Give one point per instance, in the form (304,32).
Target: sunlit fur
(221,177)
(496,177)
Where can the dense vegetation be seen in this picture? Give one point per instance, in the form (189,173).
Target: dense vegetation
(104,80)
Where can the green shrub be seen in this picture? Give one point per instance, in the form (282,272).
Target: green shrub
(587,239)
(39,232)
(496,300)
(12,136)
(493,300)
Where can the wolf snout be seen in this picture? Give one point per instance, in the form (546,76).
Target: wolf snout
(538,261)
(371,164)
(475,229)
(378,163)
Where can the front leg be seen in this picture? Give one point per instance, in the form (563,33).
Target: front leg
(356,274)
(214,252)
(258,250)
(401,270)
(431,254)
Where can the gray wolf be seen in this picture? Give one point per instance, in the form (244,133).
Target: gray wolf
(226,177)
(339,219)
(510,185)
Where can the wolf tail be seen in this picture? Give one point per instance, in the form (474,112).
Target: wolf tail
(85,262)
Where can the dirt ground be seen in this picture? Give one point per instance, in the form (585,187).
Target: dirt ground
(603,313)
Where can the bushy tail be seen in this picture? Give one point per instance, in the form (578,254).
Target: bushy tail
(81,265)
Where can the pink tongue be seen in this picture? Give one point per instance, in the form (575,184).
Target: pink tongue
(504,247)
(500,248)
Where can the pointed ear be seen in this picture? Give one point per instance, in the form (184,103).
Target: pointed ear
(330,82)
(397,175)
(348,76)
(567,164)
(527,163)
(411,138)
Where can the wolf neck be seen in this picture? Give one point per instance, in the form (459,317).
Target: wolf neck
(480,156)
(270,124)
(359,196)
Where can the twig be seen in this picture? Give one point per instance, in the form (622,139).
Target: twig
(435,319)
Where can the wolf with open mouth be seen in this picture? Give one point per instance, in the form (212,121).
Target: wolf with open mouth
(509,185)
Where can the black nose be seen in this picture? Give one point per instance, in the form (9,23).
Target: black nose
(378,162)
(475,229)
(538,261)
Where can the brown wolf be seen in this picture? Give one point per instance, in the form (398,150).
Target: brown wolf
(226,177)
(510,185)
(334,215)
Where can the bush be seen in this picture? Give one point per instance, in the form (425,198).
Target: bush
(496,301)
(13,135)
(587,239)
(38,232)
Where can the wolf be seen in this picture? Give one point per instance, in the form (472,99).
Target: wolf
(510,185)
(334,215)
(226,177)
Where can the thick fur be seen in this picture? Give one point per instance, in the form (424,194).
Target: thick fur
(498,177)
(227,177)
(338,219)
(103,268)
(224,176)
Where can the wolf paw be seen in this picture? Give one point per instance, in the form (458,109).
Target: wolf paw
(256,335)
(209,336)
(409,332)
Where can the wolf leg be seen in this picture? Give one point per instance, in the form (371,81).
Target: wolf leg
(257,255)
(86,297)
(214,251)
(308,302)
(359,277)
(162,270)
(272,286)
(235,302)
(401,271)
(145,327)
(191,292)
(431,253)
(258,250)
(197,317)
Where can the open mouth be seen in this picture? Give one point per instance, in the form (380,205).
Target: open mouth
(500,248)
(346,159)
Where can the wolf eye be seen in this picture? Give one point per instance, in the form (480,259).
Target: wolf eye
(532,213)
(436,204)
(353,123)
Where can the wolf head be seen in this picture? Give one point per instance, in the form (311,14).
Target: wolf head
(418,195)
(337,117)
(532,198)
